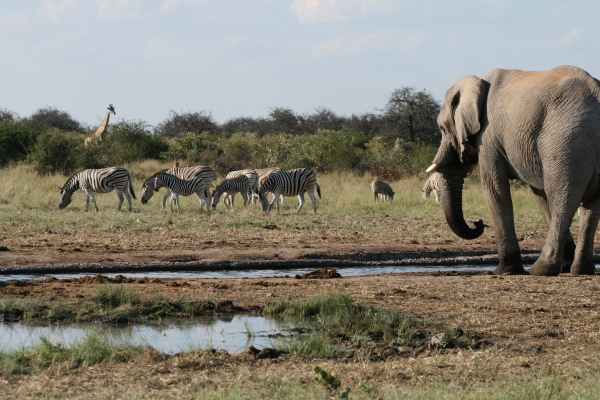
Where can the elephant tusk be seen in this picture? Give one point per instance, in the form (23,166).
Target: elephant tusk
(471,169)
(432,168)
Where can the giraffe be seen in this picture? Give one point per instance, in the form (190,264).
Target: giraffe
(100,132)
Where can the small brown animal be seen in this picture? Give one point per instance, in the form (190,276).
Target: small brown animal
(383,188)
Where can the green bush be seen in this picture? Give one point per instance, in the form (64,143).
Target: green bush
(200,148)
(57,152)
(130,141)
(16,139)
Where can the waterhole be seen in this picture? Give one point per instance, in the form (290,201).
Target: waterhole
(256,273)
(232,333)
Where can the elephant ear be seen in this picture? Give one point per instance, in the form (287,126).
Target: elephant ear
(462,114)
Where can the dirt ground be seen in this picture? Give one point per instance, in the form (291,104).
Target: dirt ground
(526,325)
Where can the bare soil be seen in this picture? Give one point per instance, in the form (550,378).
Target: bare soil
(527,325)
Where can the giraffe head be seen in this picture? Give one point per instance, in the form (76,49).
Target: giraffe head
(111,109)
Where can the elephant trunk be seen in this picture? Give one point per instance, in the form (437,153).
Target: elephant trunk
(451,190)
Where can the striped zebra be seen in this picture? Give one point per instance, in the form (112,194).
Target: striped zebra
(232,186)
(382,188)
(294,182)
(264,174)
(101,180)
(206,173)
(177,187)
(432,184)
(252,178)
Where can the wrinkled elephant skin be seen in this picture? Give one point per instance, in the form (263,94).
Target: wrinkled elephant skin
(542,128)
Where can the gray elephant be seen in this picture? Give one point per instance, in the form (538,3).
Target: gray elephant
(542,128)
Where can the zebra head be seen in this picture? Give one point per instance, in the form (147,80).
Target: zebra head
(264,200)
(65,198)
(216,197)
(147,190)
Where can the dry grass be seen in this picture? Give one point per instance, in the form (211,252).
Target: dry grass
(30,219)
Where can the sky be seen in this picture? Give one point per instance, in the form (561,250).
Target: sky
(235,58)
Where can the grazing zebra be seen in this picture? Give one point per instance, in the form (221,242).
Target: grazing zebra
(264,174)
(294,182)
(252,178)
(383,188)
(206,173)
(232,186)
(177,186)
(433,183)
(102,180)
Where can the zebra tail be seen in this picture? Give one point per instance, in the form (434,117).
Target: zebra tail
(131,188)
(319,191)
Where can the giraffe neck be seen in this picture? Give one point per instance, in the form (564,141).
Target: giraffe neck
(100,131)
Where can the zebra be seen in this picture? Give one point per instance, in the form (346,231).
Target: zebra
(252,178)
(264,174)
(383,188)
(294,182)
(232,186)
(101,180)
(177,186)
(206,173)
(432,184)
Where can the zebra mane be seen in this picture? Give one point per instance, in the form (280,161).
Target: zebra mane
(70,181)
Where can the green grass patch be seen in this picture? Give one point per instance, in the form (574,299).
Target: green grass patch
(93,349)
(111,303)
(340,322)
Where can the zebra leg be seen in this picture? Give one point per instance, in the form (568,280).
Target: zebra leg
(165,198)
(172,201)
(90,194)
(121,199)
(302,201)
(275,201)
(126,192)
(202,200)
(314,200)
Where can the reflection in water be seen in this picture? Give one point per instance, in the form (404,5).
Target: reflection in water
(233,333)
(255,273)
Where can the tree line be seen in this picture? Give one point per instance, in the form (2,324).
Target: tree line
(396,141)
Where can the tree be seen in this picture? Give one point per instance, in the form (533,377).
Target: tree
(412,116)
(284,120)
(7,115)
(323,119)
(259,126)
(178,123)
(50,117)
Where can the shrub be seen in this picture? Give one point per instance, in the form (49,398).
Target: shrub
(57,152)
(16,139)
(130,141)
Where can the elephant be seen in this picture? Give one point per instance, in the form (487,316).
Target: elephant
(539,127)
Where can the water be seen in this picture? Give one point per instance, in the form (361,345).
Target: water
(253,273)
(233,334)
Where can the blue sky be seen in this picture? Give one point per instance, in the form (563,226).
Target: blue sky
(236,58)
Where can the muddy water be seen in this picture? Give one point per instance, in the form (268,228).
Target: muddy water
(234,334)
(259,273)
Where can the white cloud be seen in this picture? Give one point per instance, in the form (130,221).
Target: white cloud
(116,9)
(311,11)
(359,44)
(14,21)
(571,37)
(54,10)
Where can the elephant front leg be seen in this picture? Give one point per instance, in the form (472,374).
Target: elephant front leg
(499,203)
